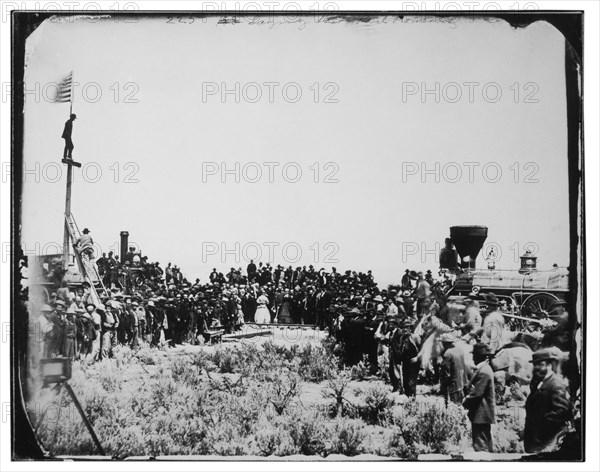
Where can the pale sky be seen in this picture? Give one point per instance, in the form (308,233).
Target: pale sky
(376,217)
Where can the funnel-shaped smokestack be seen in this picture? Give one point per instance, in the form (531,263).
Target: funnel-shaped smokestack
(468,241)
(124,242)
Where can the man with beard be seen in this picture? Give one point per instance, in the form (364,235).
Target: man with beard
(548,406)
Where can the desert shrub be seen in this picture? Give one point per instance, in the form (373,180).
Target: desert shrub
(377,404)
(347,437)
(110,379)
(428,428)
(201,361)
(146,356)
(182,370)
(122,355)
(282,390)
(96,405)
(308,432)
(280,351)
(226,360)
(271,438)
(315,364)
(337,387)
(360,371)
(508,431)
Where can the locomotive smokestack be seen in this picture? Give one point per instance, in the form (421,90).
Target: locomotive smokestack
(124,246)
(468,241)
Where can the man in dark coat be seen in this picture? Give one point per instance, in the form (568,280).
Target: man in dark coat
(404,348)
(251,271)
(448,256)
(481,401)
(548,407)
(66,135)
(406,281)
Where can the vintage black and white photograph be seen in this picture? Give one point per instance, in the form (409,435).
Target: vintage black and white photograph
(298,235)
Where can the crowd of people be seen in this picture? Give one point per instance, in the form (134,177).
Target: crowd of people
(396,323)
(461,345)
(142,302)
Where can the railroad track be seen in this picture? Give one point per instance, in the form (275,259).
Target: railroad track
(282,326)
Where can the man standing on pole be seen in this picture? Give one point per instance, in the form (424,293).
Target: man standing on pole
(66,135)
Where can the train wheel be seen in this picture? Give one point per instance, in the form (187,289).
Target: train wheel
(537,305)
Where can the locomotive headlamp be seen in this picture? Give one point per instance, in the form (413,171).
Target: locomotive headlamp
(528,262)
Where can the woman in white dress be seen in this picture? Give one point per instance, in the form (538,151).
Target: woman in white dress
(263,315)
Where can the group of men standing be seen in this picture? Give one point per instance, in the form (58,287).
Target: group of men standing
(440,339)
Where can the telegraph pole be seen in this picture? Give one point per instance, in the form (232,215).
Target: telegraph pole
(70,163)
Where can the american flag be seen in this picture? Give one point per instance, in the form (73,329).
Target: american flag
(64,92)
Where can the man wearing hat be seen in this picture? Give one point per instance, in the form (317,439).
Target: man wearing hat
(404,347)
(97,322)
(85,331)
(109,325)
(559,335)
(423,294)
(493,324)
(132,317)
(480,400)
(69,333)
(455,370)
(406,281)
(548,406)
(66,135)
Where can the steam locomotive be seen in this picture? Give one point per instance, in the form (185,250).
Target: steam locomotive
(527,292)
